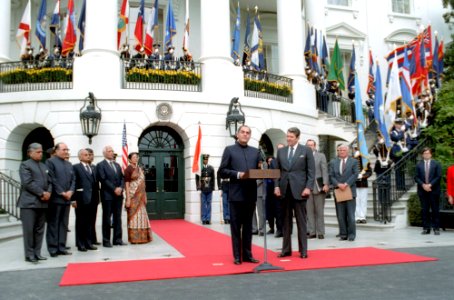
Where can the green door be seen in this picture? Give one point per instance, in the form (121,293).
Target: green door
(164,173)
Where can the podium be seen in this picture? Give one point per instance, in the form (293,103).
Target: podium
(264,174)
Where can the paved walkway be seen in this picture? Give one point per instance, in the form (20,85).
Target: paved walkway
(12,257)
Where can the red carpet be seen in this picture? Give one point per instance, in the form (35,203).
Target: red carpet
(208,253)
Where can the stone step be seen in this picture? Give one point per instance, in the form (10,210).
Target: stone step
(4,218)
(10,227)
(13,234)
(370,225)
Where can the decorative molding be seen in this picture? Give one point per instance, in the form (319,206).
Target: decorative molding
(401,36)
(164,111)
(344,30)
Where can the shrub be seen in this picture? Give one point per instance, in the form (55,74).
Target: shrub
(414,210)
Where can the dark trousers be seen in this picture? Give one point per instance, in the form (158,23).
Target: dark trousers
(83,226)
(430,209)
(112,208)
(92,213)
(291,206)
(33,223)
(346,218)
(274,212)
(56,227)
(241,228)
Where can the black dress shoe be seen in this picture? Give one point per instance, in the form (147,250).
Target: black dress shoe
(64,252)
(120,243)
(311,236)
(255,232)
(92,248)
(237,261)
(271,231)
(251,260)
(284,254)
(67,247)
(31,259)
(53,254)
(39,257)
(343,238)
(261,233)
(82,249)
(303,255)
(107,245)
(426,231)
(321,236)
(227,222)
(351,239)
(278,234)
(96,243)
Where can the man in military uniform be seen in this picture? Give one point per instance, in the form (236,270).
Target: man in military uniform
(361,187)
(398,150)
(205,184)
(155,58)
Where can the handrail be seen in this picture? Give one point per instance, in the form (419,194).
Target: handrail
(261,84)
(9,193)
(336,106)
(389,186)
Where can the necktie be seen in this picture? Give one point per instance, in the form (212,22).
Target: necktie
(88,169)
(427,171)
(343,166)
(290,156)
(113,166)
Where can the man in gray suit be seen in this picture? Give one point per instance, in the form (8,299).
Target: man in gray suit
(63,186)
(316,201)
(343,172)
(297,166)
(35,193)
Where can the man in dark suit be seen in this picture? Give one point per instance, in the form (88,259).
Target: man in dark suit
(35,193)
(343,172)
(112,185)
(297,166)
(63,183)
(93,210)
(87,190)
(236,160)
(428,177)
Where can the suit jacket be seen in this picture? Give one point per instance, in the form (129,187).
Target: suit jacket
(321,172)
(87,185)
(349,176)
(63,179)
(300,173)
(434,175)
(35,181)
(237,158)
(109,180)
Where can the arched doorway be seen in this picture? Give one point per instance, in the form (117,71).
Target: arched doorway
(161,155)
(38,135)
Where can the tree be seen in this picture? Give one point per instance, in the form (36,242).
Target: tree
(447,16)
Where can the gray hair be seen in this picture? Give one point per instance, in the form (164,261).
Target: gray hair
(295,131)
(34,147)
(79,154)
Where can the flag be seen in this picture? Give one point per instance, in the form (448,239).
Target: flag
(171,29)
(379,108)
(138,31)
(81,26)
(23,32)
(314,52)
(186,28)
(70,37)
(307,48)
(196,159)
(41,24)
(351,85)
(405,87)
(123,22)
(370,83)
(325,57)
(440,56)
(247,47)
(124,149)
(434,70)
(236,36)
(419,76)
(336,67)
(55,24)
(393,96)
(360,123)
(152,24)
(257,59)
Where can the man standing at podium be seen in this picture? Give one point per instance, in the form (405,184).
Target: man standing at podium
(236,160)
(297,166)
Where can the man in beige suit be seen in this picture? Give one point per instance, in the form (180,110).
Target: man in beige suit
(316,202)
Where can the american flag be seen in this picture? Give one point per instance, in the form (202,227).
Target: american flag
(124,149)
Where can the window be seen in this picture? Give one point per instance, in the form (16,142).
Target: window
(340,2)
(401,6)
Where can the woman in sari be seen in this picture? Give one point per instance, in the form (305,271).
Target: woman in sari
(139,230)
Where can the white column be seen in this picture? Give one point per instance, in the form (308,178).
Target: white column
(215,50)
(5,28)
(291,54)
(99,68)
(315,13)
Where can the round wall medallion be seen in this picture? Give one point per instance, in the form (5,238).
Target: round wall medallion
(164,111)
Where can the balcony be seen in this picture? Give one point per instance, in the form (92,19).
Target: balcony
(36,75)
(267,86)
(146,74)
